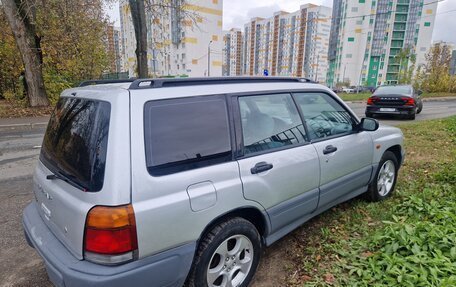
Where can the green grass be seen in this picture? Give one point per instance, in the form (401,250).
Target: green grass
(407,240)
(354,97)
(364,96)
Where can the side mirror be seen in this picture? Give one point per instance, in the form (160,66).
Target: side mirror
(420,92)
(368,125)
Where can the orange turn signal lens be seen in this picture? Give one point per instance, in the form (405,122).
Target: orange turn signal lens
(105,217)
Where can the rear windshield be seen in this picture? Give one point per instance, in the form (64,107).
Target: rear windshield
(382,90)
(74,147)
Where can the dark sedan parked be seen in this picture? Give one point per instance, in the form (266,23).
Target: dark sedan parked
(395,100)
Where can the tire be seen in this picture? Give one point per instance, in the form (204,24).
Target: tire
(216,251)
(411,117)
(420,109)
(382,186)
(369,115)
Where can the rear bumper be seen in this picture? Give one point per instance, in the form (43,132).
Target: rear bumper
(169,268)
(399,110)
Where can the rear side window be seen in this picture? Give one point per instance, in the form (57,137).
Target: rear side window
(76,140)
(184,134)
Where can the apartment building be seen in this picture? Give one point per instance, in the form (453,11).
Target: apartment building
(453,63)
(373,41)
(232,52)
(113,47)
(289,44)
(181,42)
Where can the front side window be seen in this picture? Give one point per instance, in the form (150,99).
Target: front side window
(269,122)
(323,115)
(184,134)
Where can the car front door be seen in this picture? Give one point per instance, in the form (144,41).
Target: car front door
(345,155)
(279,168)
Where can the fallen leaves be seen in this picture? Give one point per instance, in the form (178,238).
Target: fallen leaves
(329,278)
(10,110)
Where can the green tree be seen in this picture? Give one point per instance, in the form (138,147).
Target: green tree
(21,16)
(74,42)
(434,76)
(10,60)
(69,44)
(407,61)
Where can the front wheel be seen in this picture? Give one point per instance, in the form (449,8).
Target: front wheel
(227,256)
(382,186)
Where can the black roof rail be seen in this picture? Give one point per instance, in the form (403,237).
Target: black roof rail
(107,81)
(178,82)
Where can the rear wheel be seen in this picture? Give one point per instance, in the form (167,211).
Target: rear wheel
(227,256)
(412,116)
(382,186)
(369,115)
(420,108)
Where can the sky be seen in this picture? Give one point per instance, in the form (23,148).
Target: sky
(236,13)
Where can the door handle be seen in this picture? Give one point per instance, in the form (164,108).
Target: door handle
(329,149)
(261,167)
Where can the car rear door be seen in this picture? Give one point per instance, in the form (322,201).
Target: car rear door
(84,161)
(279,168)
(345,155)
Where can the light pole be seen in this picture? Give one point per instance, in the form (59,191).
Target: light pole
(345,68)
(316,72)
(318,63)
(209,59)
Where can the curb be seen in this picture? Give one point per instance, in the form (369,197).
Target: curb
(441,99)
(22,126)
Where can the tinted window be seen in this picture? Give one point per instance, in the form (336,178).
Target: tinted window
(270,121)
(186,133)
(76,140)
(324,116)
(383,90)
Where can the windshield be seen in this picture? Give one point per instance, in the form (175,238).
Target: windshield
(74,147)
(382,90)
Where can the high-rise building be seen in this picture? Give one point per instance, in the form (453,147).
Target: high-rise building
(289,44)
(374,41)
(181,42)
(113,48)
(453,63)
(232,52)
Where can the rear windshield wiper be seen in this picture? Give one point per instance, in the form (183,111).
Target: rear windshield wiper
(66,178)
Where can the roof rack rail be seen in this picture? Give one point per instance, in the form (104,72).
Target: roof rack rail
(108,81)
(179,82)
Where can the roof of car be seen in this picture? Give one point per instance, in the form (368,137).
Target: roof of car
(395,86)
(159,89)
(154,83)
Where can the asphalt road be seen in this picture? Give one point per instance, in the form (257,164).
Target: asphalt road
(19,150)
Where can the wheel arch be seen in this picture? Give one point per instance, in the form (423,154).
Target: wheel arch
(259,219)
(397,151)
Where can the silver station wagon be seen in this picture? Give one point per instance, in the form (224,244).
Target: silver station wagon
(171,182)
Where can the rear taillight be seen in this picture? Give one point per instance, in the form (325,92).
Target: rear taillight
(110,235)
(408,101)
(372,100)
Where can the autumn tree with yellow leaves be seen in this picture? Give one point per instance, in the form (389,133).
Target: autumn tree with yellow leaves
(54,44)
